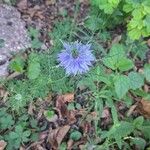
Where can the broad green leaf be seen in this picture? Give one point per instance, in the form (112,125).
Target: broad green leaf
(147,8)
(145,130)
(134,34)
(136,80)
(135,25)
(98,74)
(127,8)
(147,23)
(125,64)
(115,55)
(137,14)
(123,130)
(117,51)
(87,82)
(118,131)
(122,85)
(138,122)
(147,72)
(33,70)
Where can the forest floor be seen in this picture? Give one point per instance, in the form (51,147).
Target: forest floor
(69,120)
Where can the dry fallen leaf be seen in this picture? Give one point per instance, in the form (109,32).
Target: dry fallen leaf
(63,112)
(39,147)
(69,97)
(57,135)
(22,148)
(2,144)
(50,2)
(105,113)
(116,40)
(61,107)
(84,1)
(144,108)
(43,135)
(131,110)
(35,146)
(69,144)
(31,108)
(13,75)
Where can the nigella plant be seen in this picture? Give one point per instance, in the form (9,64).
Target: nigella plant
(76,58)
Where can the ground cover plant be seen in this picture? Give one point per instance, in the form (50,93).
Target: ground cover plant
(89,89)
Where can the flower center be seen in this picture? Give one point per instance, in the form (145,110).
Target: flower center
(75,53)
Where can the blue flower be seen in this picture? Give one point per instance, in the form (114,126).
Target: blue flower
(76,58)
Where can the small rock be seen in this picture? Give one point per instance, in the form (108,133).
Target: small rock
(13,34)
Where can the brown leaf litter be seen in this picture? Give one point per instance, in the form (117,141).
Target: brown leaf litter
(56,136)
(144,108)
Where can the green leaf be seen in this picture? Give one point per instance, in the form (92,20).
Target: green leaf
(19,129)
(145,130)
(127,8)
(17,64)
(136,80)
(36,43)
(26,133)
(49,114)
(34,137)
(33,70)
(93,23)
(13,135)
(63,146)
(147,72)
(138,122)
(118,131)
(139,142)
(122,85)
(87,82)
(135,34)
(125,64)
(76,135)
(6,121)
(147,23)
(138,14)
(71,106)
(116,54)
(78,106)
(107,6)
(33,32)
(25,136)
